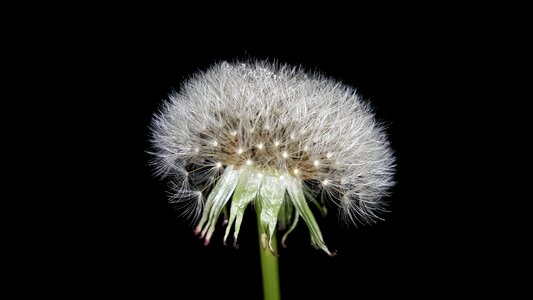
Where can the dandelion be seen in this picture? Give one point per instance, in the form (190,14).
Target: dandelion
(275,137)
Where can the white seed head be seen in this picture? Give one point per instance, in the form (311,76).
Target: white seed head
(231,107)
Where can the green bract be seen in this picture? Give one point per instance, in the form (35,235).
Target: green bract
(277,196)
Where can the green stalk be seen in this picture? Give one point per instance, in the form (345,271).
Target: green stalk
(269,263)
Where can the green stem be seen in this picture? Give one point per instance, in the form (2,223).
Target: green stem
(269,263)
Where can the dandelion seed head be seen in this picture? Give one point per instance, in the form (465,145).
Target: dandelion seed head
(290,124)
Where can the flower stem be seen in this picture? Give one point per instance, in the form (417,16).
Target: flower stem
(269,264)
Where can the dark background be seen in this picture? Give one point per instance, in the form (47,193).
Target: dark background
(445,233)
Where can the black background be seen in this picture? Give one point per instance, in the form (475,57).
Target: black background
(444,234)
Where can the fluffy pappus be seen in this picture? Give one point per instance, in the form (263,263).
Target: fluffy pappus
(279,121)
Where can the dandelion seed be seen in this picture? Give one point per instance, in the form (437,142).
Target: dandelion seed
(316,119)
